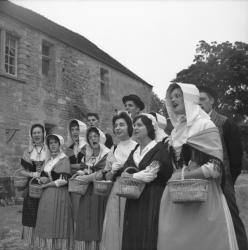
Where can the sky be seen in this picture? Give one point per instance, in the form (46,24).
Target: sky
(154,39)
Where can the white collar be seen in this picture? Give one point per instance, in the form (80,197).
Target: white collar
(53,161)
(138,156)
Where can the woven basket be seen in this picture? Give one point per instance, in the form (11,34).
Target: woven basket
(188,190)
(77,186)
(102,187)
(35,190)
(130,187)
(20,181)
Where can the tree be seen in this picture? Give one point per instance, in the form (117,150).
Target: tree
(223,67)
(158,105)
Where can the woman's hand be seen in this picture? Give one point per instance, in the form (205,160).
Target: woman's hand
(109,176)
(81,172)
(45,185)
(176,176)
(116,166)
(144,175)
(99,175)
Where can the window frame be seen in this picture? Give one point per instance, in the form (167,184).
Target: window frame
(46,58)
(104,84)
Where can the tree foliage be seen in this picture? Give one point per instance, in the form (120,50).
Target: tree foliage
(223,67)
(158,105)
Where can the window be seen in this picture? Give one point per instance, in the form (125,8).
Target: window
(104,83)
(46,58)
(49,128)
(10,63)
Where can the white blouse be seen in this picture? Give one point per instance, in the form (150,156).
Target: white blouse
(138,156)
(38,153)
(120,154)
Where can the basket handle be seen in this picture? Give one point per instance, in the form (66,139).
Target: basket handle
(30,182)
(182,173)
(128,168)
(17,171)
(74,176)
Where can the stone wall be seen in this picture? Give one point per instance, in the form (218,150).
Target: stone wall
(71,89)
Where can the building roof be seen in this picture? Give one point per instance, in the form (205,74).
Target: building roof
(64,35)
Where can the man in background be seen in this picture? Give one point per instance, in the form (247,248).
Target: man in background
(232,158)
(93,121)
(133,105)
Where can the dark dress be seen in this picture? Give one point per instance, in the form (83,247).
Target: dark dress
(90,217)
(74,159)
(30,205)
(140,227)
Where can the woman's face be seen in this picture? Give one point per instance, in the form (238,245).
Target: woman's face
(75,133)
(94,140)
(177,101)
(121,129)
(54,145)
(37,135)
(140,130)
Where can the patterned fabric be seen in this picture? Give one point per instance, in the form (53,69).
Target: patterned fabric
(30,205)
(90,245)
(28,235)
(54,227)
(140,226)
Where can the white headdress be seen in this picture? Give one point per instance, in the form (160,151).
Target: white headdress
(195,118)
(82,133)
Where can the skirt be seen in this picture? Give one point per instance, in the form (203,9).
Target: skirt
(54,226)
(196,226)
(113,221)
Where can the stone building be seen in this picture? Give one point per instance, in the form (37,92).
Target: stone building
(51,74)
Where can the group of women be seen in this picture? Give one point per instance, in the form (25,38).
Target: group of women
(63,220)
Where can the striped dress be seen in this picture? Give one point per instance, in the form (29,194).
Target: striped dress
(54,226)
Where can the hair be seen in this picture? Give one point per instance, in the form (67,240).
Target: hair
(210,92)
(126,117)
(92,129)
(174,86)
(73,123)
(148,123)
(154,114)
(93,114)
(50,137)
(35,126)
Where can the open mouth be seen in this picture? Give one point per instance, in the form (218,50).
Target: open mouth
(37,138)
(174,105)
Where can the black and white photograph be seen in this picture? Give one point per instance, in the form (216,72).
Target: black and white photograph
(123,125)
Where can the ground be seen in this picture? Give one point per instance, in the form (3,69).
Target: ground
(10,229)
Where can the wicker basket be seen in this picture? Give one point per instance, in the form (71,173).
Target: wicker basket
(130,187)
(20,181)
(188,190)
(77,186)
(35,190)
(102,187)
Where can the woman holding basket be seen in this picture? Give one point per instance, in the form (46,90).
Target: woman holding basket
(151,161)
(113,221)
(201,219)
(76,140)
(32,161)
(54,227)
(91,208)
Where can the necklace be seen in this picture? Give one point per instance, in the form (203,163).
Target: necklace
(38,152)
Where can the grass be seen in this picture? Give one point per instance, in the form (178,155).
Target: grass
(10,229)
